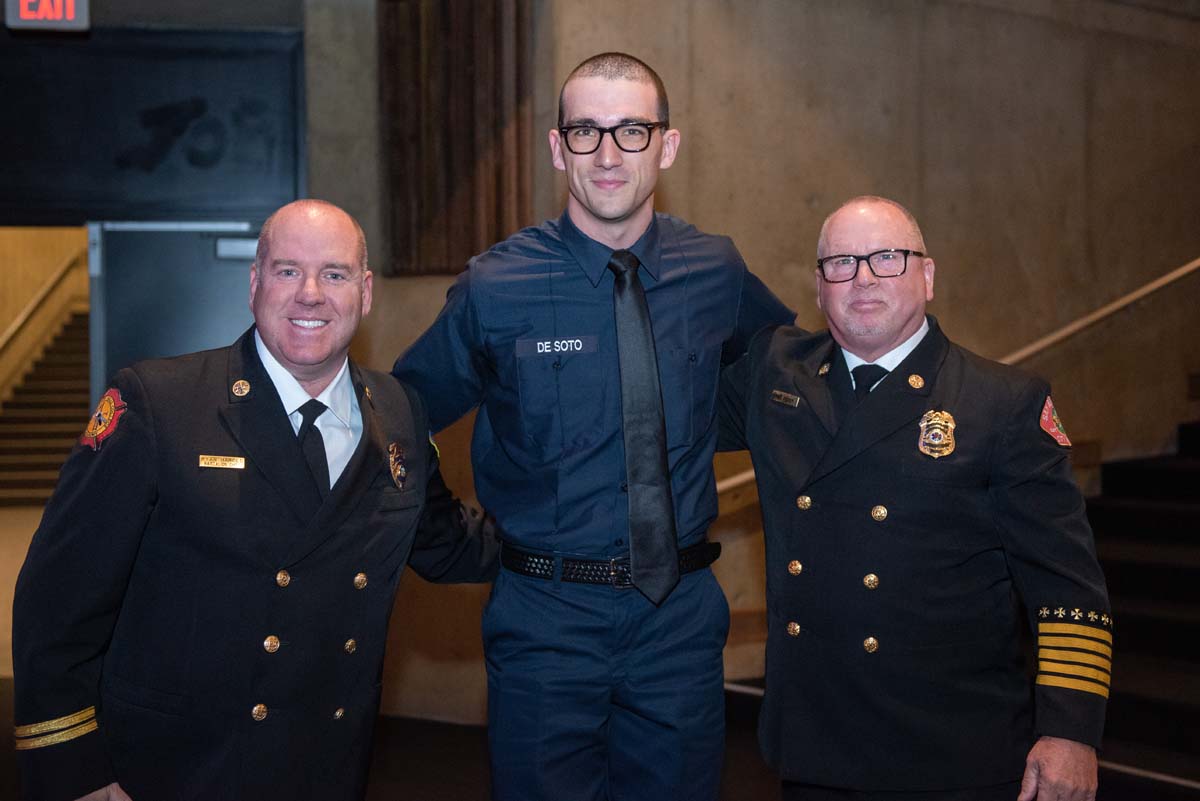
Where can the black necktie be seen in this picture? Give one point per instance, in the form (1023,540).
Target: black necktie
(313,445)
(865,377)
(653,554)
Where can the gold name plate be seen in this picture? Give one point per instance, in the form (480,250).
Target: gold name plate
(226,462)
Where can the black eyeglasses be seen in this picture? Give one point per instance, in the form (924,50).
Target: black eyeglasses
(888,263)
(632,137)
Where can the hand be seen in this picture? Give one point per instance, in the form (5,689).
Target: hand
(112,792)
(1059,770)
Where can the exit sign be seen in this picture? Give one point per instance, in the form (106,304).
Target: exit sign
(52,15)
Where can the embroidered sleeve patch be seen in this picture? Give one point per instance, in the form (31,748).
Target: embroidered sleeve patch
(103,422)
(1052,425)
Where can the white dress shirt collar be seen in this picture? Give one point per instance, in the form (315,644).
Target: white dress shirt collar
(890,360)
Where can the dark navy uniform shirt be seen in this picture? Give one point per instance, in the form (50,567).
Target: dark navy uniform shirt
(528,336)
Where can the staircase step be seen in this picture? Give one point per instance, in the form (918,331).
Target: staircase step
(24,497)
(62,357)
(1161,629)
(41,387)
(1155,702)
(44,372)
(1161,478)
(1144,520)
(65,400)
(32,461)
(43,415)
(1149,570)
(28,479)
(1189,440)
(43,445)
(40,430)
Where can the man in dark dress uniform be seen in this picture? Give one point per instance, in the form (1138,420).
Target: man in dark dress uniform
(203,610)
(591,346)
(914,497)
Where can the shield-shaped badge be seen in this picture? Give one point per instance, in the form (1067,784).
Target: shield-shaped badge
(937,434)
(396,465)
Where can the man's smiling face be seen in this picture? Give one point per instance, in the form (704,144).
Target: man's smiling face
(310,291)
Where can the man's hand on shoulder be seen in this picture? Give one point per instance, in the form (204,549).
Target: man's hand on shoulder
(1059,770)
(112,792)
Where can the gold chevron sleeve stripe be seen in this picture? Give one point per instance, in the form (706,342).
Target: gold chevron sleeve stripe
(58,736)
(1075,656)
(1075,670)
(54,725)
(1071,628)
(1073,684)
(1075,642)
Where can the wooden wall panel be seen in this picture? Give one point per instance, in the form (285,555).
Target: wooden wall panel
(456,104)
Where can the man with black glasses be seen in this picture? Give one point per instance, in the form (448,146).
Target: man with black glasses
(913,494)
(591,346)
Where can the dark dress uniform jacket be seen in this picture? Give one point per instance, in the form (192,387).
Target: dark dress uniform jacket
(225,627)
(894,579)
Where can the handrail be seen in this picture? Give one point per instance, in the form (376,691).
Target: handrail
(1088,320)
(14,328)
(1039,345)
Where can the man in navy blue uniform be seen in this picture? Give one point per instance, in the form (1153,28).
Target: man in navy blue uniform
(591,346)
(913,495)
(203,611)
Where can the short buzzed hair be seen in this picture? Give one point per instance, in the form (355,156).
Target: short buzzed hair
(854,201)
(618,66)
(264,234)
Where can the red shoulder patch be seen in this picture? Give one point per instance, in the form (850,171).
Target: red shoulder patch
(104,420)
(1052,425)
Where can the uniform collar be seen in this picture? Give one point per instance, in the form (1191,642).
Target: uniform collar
(592,256)
(338,396)
(891,360)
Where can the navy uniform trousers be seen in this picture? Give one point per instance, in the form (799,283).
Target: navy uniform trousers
(192,620)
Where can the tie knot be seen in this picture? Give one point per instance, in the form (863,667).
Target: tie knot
(622,262)
(865,377)
(311,411)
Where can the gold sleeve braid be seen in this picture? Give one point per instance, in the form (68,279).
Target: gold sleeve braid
(1074,657)
(58,730)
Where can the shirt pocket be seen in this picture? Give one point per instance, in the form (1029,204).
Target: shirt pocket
(565,394)
(689,389)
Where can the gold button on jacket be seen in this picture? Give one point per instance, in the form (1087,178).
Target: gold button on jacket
(283,578)
(870,581)
(351,646)
(804,502)
(870,645)
(339,713)
(360,581)
(259,712)
(793,628)
(271,644)
(879,513)
(794,567)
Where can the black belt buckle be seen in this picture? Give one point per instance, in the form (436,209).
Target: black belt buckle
(619,574)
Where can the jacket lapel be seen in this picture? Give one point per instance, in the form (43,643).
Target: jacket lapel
(813,383)
(890,406)
(368,459)
(256,420)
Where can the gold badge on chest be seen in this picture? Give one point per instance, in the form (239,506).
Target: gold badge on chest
(396,465)
(937,434)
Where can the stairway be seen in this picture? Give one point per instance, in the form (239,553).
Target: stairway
(45,417)
(1147,527)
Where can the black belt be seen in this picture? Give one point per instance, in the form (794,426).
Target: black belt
(598,571)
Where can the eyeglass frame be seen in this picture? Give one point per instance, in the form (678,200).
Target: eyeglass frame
(565,130)
(867,258)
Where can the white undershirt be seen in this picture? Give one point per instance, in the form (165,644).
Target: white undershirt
(340,424)
(890,360)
